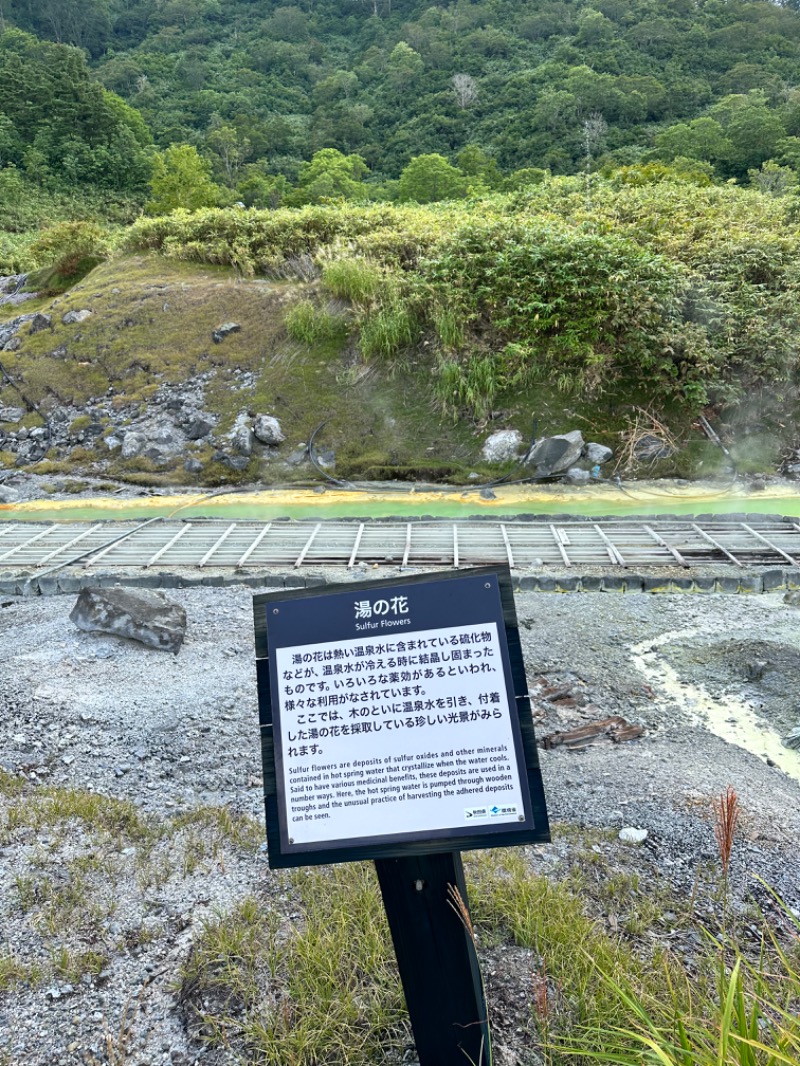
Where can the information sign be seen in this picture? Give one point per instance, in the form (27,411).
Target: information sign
(395,718)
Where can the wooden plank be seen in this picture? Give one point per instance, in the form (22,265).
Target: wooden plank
(31,540)
(9,529)
(255,544)
(308,544)
(716,544)
(455,546)
(69,544)
(774,547)
(613,552)
(354,552)
(673,551)
(220,541)
(560,544)
(407,551)
(173,540)
(507,542)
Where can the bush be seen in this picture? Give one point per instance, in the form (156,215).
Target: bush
(68,245)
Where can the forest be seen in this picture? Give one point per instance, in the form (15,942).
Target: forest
(233,102)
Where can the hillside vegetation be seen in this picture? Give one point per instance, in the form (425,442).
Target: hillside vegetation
(412,332)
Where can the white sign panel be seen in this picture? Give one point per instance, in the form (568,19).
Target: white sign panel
(396,733)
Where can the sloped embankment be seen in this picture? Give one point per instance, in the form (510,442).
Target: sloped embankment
(130,352)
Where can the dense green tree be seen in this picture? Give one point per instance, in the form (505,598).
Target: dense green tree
(429,178)
(330,176)
(181,179)
(61,124)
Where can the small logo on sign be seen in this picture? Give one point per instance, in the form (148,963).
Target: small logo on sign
(476,812)
(500,812)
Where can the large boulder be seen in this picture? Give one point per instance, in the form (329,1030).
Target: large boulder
(555,455)
(502,446)
(40,321)
(133,444)
(145,615)
(225,330)
(72,318)
(267,429)
(597,454)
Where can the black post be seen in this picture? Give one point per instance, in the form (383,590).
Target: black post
(436,957)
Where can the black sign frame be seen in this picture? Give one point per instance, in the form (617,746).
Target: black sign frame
(270,635)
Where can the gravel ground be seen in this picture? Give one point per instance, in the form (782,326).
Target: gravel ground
(177,736)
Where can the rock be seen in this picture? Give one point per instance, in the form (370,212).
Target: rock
(40,322)
(326,458)
(192,465)
(60,352)
(502,446)
(629,835)
(597,454)
(792,598)
(133,444)
(225,330)
(73,317)
(8,495)
(576,475)
(242,441)
(793,739)
(11,414)
(267,429)
(13,345)
(237,462)
(145,615)
(197,428)
(555,455)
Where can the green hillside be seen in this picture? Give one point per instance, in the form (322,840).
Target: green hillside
(413,332)
(494,87)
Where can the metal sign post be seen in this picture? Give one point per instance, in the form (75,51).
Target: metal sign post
(396,726)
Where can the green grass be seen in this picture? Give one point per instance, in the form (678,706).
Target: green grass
(324,989)
(311,324)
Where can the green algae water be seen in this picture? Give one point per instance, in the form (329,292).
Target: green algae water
(651,498)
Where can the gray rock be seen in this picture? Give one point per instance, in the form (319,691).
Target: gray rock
(197,428)
(326,458)
(60,352)
(242,441)
(73,317)
(133,444)
(792,598)
(40,321)
(11,414)
(145,615)
(555,455)
(8,495)
(267,429)
(597,454)
(630,835)
(225,330)
(13,345)
(192,465)
(576,475)
(502,446)
(237,462)
(793,739)
(649,447)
